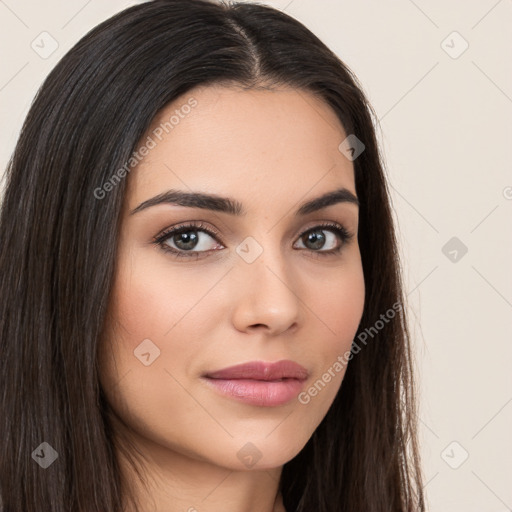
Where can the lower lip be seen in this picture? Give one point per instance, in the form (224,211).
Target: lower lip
(259,392)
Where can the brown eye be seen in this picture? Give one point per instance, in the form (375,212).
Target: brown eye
(195,240)
(188,241)
(185,240)
(319,237)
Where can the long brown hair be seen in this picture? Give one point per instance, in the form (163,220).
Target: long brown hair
(58,253)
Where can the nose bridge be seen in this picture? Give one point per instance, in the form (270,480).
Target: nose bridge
(267,294)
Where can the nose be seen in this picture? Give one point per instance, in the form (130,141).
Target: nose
(265,295)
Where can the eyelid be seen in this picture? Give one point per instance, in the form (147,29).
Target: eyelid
(327,224)
(187,226)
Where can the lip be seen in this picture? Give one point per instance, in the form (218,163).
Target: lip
(260,383)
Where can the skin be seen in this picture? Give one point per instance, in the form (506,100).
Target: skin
(271,150)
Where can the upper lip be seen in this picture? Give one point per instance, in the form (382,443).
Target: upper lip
(261,370)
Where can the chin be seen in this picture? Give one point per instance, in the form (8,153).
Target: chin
(265,453)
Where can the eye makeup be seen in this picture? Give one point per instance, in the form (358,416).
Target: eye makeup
(193,227)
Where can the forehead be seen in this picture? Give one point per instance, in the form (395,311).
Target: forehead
(242,143)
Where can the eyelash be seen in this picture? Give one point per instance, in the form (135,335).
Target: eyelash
(160,240)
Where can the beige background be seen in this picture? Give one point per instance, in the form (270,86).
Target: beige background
(446,130)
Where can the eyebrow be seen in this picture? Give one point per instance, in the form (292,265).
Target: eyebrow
(233,207)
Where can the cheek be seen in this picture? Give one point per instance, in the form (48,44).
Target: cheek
(147,351)
(338,304)
(338,310)
(150,301)
(343,302)
(145,335)
(158,320)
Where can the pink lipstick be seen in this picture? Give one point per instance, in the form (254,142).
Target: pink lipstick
(260,383)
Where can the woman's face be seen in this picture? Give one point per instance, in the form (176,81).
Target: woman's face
(263,285)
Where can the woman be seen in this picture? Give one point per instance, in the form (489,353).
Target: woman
(197,252)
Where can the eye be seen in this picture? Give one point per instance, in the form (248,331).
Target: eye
(181,240)
(191,240)
(316,238)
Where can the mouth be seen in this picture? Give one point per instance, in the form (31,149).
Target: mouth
(261,370)
(259,383)
(258,392)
